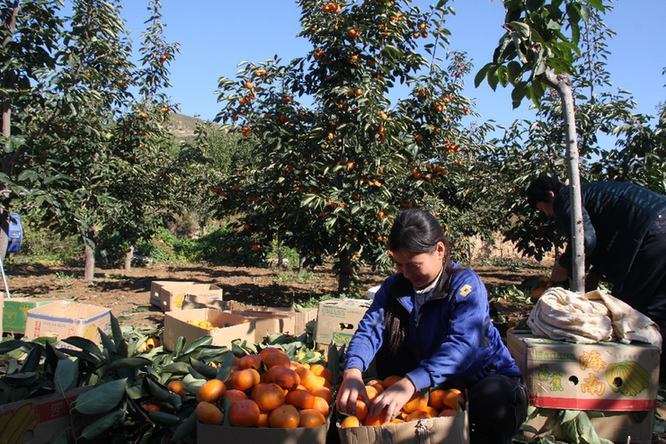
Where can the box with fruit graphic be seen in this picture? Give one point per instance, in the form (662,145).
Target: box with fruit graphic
(16,312)
(607,376)
(62,319)
(157,286)
(38,420)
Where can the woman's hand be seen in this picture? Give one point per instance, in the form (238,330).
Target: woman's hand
(392,400)
(351,389)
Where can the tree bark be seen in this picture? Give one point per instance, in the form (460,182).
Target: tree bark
(280,254)
(562,84)
(89,270)
(301,265)
(128,258)
(345,271)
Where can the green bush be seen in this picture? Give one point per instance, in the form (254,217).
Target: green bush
(41,244)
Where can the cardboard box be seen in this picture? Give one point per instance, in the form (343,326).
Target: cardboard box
(604,376)
(270,322)
(213,434)
(441,430)
(37,420)
(62,319)
(229,327)
(304,317)
(301,317)
(614,426)
(15,312)
(337,320)
(156,287)
(190,296)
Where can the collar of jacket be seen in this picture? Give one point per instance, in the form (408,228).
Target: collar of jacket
(439,292)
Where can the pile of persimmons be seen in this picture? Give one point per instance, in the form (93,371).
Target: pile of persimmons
(270,390)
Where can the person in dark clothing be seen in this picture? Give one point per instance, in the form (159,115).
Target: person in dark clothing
(430,324)
(625,239)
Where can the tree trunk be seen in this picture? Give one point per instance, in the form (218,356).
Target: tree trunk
(128,258)
(89,270)
(563,85)
(301,265)
(345,271)
(280,254)
(4,232)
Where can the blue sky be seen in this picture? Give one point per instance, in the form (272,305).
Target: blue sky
(215,35)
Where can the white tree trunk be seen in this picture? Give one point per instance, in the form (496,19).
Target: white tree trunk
(89,270)
(128,258)
(563,85)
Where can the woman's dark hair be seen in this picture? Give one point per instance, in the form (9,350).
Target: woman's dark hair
(416,231)
(538,189)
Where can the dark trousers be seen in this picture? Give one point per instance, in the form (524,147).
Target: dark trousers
(497,409)
(644,288)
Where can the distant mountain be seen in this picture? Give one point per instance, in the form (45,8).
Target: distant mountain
(183,126)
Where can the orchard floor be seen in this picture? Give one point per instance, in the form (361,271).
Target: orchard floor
(126,293)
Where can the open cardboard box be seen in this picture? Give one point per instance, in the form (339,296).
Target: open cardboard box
(301,317)
(213,434)
(15,312)
(38,420)
(441,430)
(191,296)
(156,287)
(228,327)
(63,319)
(338,319)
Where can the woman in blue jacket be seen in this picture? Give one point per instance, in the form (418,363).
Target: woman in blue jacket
(430,324)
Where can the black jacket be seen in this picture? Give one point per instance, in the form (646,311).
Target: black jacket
(616,217)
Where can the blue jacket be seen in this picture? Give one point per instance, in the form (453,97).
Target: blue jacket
(453,340)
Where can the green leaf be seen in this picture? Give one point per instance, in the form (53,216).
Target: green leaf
(186,428)
(101,399)
(493,79)
(204,369)
(66,374)
(176,368)
(204,340)
(132,363)
(31,361)
(164,418)
(225,367)
(513,71)
(118,339)
(84,344)
(180,344)
(102,425)
(107,343)
(11,345)
(480,76)
(598,5)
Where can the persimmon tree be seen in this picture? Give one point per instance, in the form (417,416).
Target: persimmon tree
(86,91)
(29,31)
(336,158)
(148,168)
(538,51)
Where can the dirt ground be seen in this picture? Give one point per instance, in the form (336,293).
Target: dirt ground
(127,293)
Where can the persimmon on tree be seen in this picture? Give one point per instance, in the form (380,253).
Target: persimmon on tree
(336,157)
